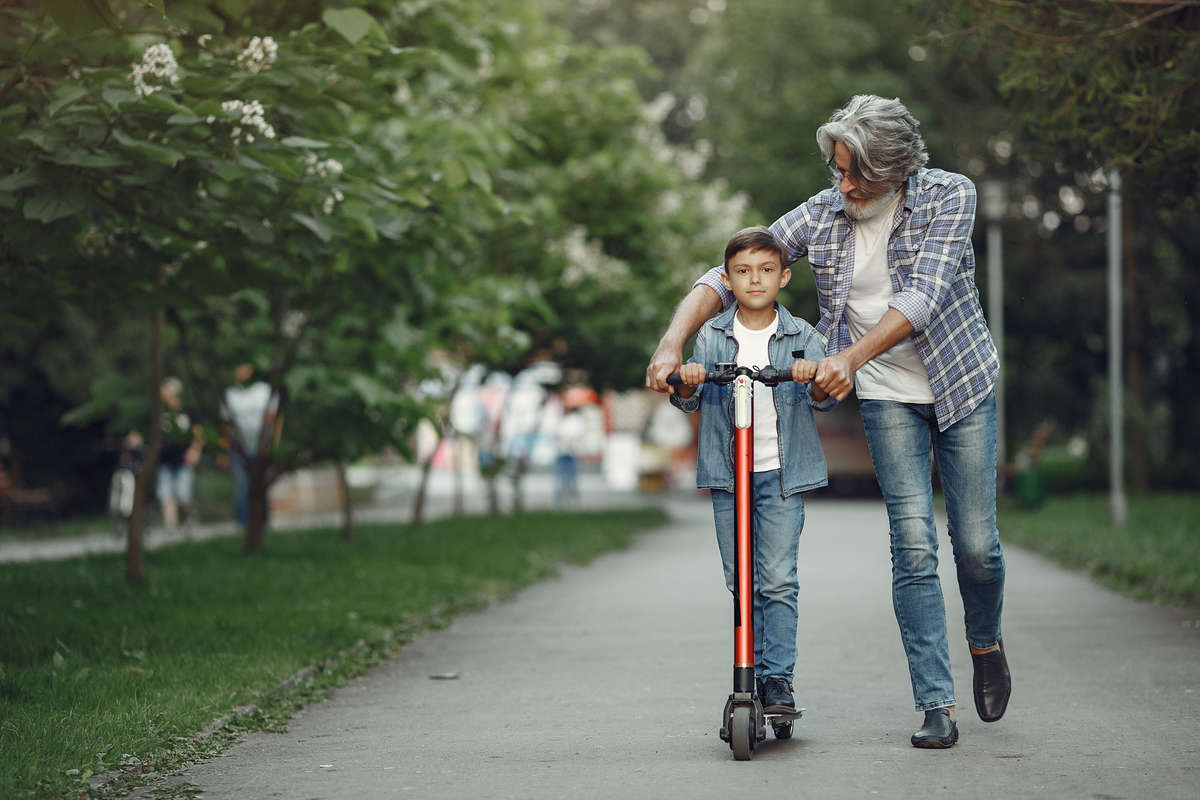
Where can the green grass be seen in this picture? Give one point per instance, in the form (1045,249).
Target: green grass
(95,674)
(1155,556)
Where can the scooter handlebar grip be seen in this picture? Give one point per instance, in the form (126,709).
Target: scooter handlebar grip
(674,379)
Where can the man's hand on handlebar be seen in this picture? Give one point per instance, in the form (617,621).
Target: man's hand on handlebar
(835,375)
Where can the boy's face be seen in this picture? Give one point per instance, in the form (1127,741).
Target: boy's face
(755,278)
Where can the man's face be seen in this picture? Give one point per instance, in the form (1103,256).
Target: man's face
(862,200)
(755,278)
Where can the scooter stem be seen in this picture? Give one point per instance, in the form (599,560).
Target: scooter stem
(743,468)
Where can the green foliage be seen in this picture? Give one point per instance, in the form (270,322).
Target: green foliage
(428,185)
(1099,84)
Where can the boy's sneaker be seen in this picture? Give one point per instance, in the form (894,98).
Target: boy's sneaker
(776,696)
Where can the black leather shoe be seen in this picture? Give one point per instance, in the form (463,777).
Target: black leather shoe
(992,684)
(777,697)
(938,732)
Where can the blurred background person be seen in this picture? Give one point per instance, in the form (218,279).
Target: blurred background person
(182,444)
(249,404)
(569,435)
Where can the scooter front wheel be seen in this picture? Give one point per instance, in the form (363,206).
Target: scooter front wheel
(742,733)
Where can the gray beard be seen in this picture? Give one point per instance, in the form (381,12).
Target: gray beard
(872,208)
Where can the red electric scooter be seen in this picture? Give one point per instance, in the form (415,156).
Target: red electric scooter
(743,722)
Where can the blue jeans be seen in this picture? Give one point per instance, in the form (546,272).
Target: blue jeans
(241,490)
(176,483)
(904,441)
(777,523)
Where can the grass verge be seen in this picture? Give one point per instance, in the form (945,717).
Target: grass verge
(101,679)
(1155,556)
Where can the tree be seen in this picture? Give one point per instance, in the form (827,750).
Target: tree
(1105,83)
(251,211)
(1113,84)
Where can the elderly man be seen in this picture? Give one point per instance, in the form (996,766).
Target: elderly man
(890,249)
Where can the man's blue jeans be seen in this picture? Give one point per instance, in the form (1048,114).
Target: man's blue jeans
(241,490)
(777,523)
(904,441)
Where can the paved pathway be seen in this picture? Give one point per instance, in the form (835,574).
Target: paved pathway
(608,682)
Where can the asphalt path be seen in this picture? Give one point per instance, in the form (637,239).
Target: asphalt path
(608,682)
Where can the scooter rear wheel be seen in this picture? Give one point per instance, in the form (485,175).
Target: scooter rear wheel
(742,734)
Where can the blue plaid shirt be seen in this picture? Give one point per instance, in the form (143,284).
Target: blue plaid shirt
(932,265)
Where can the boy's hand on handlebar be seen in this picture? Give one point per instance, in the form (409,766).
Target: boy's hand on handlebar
(803,370)
(690,376)
(693,374)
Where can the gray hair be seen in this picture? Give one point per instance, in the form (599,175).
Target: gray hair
(882,136)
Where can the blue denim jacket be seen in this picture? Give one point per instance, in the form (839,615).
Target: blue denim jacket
(800,454)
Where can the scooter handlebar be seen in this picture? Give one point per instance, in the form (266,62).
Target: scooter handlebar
(769,376)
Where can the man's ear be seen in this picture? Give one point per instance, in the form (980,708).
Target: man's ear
(725,280)
(785,275)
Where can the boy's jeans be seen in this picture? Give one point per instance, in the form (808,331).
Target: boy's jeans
(777,524)
(903,439)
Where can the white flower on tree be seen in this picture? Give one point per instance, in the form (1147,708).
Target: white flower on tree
(258,55)
(324,169)
(253,119)
(159,66)
(332,199)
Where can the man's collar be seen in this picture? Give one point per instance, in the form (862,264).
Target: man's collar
(910,192)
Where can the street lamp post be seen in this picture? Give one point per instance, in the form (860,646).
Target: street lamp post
(1116,410)
(995,203)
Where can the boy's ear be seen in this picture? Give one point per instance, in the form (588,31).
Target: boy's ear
(725,280)
(785,275)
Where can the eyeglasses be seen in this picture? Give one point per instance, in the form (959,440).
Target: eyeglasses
(863,185)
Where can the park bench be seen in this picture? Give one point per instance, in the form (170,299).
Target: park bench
(19,506)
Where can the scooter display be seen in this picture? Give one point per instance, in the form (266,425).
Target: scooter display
(743,722)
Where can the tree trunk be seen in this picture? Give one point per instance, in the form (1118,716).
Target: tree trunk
(135,562)
(518,475)
(459,496)
(418,515)
(493,493)
(1136,411)
(347,505)
(443,428)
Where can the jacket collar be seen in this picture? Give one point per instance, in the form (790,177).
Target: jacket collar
(787,323)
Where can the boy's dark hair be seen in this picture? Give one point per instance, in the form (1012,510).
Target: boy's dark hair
(754,238)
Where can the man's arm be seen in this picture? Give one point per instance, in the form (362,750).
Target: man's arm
(835,374)
(700,304)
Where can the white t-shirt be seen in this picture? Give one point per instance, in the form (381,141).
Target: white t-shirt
(896,374)
(753,352)
(247,405)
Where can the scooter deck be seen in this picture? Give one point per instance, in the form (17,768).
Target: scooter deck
(783,715)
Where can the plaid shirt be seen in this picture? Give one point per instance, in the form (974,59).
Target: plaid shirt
(932,265)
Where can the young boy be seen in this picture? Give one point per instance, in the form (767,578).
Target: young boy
(756,332)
